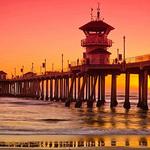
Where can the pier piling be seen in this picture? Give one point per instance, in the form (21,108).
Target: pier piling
(127,90)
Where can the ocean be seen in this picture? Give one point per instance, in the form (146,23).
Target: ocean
(23,119)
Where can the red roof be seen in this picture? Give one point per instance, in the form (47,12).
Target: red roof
(96,26)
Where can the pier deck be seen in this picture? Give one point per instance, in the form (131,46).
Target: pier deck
(80,83)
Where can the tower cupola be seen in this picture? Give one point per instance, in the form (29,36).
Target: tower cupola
(96,41)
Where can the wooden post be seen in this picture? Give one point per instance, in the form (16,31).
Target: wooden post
(99,88)
(103,88)
(81,93)
(51,89)
(127,91)
(86,90)
(32,88)
(91,100)
(42,89)
(67,87)
(18,88)
(64,91)
(89,86)
(37,89)
(60,88)
(78,86)
(14,88)
(113,91)
(70,94)
(56,90)
(140,89)
(144,104)
(92,80)
(99,102)
(25,88)
(21,86)
(75,88)
(47,90)
(63,95)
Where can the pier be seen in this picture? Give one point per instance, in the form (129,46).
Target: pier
(85,82)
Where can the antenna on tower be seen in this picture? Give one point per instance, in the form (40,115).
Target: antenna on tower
(91,14)
(98,12)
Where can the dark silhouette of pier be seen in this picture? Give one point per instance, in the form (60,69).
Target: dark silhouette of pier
(80,83)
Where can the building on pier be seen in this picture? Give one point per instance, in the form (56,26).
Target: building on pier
(96,41)
(3,75)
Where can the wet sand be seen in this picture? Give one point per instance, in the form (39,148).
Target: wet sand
(74,142)
(106,148)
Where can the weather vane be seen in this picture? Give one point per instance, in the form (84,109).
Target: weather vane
(98,12)
(91,14)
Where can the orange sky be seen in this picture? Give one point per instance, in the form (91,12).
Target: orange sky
(32,30)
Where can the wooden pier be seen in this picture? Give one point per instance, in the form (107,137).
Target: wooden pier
(80,85)
(85,82)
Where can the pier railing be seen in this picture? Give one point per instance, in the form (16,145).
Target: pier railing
(135,59)
(141,58)
(97,41)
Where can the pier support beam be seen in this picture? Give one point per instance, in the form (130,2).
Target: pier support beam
(38,89)
(114,102)
(56,90)
(79,84)
(99,102)
(75,89)
(144,104)
(81,93)
(46,90)
(42,90)
(61,89)
(70,95)
(140,89)
(64,89)
(51,89)
(92,96)
(32,88)
(127,91)
(103,88)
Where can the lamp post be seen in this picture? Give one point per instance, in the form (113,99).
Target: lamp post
(32,68)
(117,54)
(15,72)
(45,66)
(124,49)
(52,67)
(62,56)
(22,70)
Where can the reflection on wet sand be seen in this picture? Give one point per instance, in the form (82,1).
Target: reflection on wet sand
(114,118)
(74,142)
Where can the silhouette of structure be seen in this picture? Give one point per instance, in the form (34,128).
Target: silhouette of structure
(85,82)
(3,75)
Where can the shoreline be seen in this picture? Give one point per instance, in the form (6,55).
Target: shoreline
(79,132)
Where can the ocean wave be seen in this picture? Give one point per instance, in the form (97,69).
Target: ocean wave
(77,132)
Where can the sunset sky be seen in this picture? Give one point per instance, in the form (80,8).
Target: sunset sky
(32,30)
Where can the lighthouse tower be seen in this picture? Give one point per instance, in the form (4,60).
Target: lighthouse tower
(96,41)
